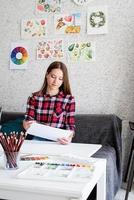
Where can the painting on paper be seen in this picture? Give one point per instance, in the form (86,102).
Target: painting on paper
(65,24)
(50,49)
(48,6)
(81,51)
(33,28)
(97,20)
(19,56)
(58,48)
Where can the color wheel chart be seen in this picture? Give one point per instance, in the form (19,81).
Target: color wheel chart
(19,57)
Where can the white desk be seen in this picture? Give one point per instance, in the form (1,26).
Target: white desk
(12,188)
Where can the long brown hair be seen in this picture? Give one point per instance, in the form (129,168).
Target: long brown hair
(65,87)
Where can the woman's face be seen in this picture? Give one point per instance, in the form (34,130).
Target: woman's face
(55,79)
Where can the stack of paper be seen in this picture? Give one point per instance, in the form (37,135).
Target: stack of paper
(48,132)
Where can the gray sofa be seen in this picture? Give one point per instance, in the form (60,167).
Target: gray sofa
(96,129)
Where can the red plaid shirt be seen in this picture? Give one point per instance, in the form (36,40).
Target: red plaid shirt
(56,111)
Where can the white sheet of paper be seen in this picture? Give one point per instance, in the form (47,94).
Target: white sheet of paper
(48,132)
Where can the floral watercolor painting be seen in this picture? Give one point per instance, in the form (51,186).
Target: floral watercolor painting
(97,21)
(43,6)
(58,48)
(65,24)
(50,49)
(33,28)
(81,51)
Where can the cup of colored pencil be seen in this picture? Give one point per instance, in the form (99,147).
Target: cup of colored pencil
(11,145)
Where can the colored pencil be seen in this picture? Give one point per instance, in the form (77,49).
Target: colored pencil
(11,145)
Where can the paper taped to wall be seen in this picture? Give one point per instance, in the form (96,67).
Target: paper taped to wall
(48,132)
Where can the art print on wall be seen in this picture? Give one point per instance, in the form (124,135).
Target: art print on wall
(81,51)
(97,20)
(19,55)
(67,23)
(48,6)
(33,28)
(50,49)
(81,2)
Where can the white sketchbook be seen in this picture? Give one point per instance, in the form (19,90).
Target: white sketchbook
(48,132)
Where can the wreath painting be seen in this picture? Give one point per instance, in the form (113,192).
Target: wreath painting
(97,20)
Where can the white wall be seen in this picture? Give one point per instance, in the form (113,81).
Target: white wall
(103,86)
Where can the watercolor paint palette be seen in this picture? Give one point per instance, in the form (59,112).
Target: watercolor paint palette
(58,171)
(32,157)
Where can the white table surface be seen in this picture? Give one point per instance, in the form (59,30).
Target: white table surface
(78,149)
(12,188)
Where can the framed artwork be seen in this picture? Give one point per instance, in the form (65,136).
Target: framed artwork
(81,2)
(50,49)
(19,55)
(97,20)
(67,23)
(48,6)
(81,51)
(33,28)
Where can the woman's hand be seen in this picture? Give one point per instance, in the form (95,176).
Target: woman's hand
(66,140)
(27,124)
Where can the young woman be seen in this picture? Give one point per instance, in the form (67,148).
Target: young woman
(54,104)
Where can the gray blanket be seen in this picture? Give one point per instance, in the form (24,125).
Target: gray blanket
(105,130)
